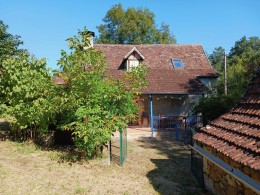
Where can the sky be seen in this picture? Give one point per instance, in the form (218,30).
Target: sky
(44,25)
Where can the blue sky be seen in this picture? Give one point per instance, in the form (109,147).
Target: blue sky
(44,25)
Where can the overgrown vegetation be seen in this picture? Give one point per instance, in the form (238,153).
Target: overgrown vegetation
(26,89)
(91,104)
(242,62)
(26,92)
(212,107)
(9,44)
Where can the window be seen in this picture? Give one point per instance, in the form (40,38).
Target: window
(133,58)
(177,63)
(132,63)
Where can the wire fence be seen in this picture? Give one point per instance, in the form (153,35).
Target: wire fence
(118,148)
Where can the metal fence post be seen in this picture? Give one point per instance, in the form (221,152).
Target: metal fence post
(121,148)
(110,150)
(151,113)
(177,130)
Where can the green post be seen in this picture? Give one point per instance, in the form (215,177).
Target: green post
(151,114)
(123,146)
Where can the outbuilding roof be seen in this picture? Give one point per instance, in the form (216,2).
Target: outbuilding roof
(236,134)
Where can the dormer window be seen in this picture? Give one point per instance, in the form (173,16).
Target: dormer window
(177,63)
(132,63)
(133,59)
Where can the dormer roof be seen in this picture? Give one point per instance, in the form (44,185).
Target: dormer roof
(134,49)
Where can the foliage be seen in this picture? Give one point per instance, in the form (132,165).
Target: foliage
(25,91)
(95,104)
(237,81)
(242,63)
(247,53)
(133,26)
(212,107)
(8,43)
(243,60)
(217,59)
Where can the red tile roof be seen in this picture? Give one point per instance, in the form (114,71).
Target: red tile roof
(58,81)
(237,134)
(162,77)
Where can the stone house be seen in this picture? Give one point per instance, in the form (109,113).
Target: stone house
(178,75)
(229,147)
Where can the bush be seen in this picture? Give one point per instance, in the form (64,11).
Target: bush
(212,107)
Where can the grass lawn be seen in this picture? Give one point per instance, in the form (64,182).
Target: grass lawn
(152,167)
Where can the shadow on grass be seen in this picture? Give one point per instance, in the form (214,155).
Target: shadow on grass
(173,174)
(115,156)
(63,152)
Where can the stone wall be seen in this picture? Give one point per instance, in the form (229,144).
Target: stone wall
(217,181)
(245,169)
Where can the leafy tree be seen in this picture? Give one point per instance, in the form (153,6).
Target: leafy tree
(25,91)
(217,59)
(8,43)
(133,26)
(242,62)
(95,105)
(212,107)
(246,52)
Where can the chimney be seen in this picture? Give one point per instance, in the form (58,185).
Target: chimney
(91,40)
(92,35)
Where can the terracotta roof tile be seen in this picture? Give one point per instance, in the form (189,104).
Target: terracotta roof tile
(162,77)
(237,134)
(58,81)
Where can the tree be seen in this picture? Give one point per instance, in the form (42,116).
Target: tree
(212,107)
(8,43)
(25,96)
(217,59)
(242,61)
(246,52)
(92,104)
(133,26)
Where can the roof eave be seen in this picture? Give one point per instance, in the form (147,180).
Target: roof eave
(173,93)
(132,50)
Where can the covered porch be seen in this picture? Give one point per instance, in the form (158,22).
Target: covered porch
(167,112)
